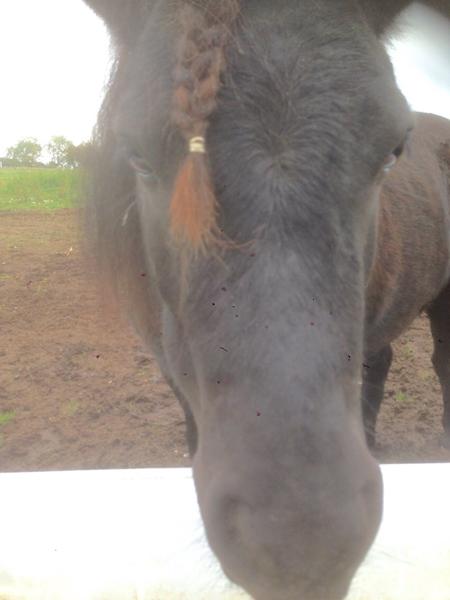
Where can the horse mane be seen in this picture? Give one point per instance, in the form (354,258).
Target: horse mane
(111,223)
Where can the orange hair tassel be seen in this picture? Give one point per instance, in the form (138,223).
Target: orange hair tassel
(193,208)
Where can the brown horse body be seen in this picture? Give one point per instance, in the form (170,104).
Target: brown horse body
(411,267)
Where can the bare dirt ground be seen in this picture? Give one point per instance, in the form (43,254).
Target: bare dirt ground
(78,392)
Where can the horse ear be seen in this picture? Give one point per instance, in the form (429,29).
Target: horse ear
(124,18)
(382,13)
(442,6)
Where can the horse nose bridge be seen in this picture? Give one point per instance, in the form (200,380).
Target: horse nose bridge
(283,530)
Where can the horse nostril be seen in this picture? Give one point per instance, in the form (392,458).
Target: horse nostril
(220,515)
(228,508)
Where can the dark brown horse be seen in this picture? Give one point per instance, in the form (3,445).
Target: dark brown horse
(237,213)
(411,267)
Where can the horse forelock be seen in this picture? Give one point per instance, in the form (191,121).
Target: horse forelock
(204,29)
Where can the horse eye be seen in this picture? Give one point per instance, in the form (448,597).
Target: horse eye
(399,150)
(391,160)
(141,167)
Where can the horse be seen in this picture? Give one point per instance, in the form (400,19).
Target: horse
(271,215)
(410,272)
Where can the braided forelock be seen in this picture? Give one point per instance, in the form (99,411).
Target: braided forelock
(205,29)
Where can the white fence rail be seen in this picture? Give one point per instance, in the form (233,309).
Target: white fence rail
(137,535)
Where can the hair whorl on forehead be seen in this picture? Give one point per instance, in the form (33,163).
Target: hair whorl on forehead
(205,29)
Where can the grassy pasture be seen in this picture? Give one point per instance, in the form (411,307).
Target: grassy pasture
(38,189)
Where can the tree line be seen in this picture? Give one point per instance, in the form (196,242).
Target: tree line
(62,152)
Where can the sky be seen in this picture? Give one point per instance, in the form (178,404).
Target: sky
(55,62)
(54,65)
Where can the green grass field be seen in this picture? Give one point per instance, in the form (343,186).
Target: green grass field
(38,189)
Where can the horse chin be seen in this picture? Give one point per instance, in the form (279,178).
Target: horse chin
(336,590)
